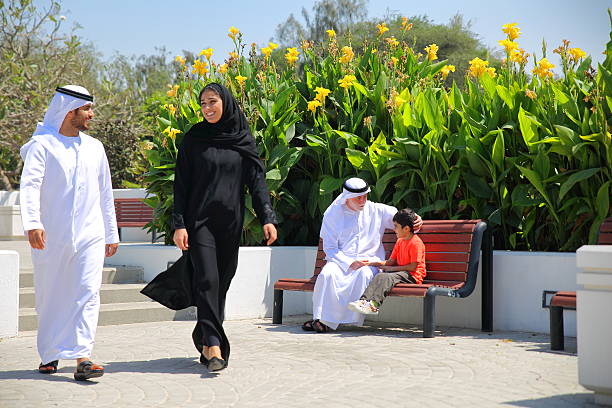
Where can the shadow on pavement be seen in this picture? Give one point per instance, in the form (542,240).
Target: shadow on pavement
(63,375)
(175,365)
(557,401)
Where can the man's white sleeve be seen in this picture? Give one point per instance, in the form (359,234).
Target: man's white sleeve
(107,202)
(31,181)
(387,213)
(330,246)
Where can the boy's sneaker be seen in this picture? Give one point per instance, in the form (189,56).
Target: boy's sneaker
(363,306)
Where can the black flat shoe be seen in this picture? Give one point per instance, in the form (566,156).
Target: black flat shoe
(203,360)
(216,364)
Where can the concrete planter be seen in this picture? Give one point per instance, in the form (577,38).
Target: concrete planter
(251,293)
(9,293)
(11,227)
(593,306)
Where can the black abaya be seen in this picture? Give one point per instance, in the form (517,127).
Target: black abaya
(209,193)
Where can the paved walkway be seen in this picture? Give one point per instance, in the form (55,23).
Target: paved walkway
(154,364)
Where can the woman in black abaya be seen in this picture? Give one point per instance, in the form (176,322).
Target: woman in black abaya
(216,159)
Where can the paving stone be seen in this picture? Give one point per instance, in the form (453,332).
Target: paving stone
(155,365)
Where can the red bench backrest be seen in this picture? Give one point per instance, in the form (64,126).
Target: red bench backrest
(447,250)
(605,232)
(132,212)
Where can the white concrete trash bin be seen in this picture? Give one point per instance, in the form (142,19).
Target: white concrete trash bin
(594,320)
(9,293)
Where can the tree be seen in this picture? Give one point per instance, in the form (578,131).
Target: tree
(339,15)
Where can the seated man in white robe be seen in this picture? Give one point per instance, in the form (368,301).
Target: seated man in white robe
(352,232)
(68,214)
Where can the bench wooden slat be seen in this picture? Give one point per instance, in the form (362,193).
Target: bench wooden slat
(450,238)
(446,256)
(446,276)
(446,266)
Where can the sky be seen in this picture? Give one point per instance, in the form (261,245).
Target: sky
(136,27)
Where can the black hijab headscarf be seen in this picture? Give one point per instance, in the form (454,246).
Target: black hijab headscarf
(231,131)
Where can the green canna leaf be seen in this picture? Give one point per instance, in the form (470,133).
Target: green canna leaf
(575,178)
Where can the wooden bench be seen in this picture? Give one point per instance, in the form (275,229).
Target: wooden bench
(560,300)
(133,213)
(452,252)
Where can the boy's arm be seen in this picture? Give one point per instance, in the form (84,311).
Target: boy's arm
(395,268)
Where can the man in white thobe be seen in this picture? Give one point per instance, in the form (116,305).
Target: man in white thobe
(69,216)
(352,232)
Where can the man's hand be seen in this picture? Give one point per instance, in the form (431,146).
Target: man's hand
(358,264)
(37,238)
(110,249)
(269,231)
(418,223)
(180,239)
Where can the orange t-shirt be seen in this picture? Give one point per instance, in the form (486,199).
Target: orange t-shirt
(408,251)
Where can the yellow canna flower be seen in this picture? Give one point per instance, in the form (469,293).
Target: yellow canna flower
(199,67)
(374,51)
(171,132)
(330,34)
(478,67)
(405,25)
(347,55)
(530,94)
(394,60)
(398,101)
(223,68)
(241,79)
(321,94)
(272,46)
(233,55)
(382,28)
(432,52)
(491,72)
(312,105)
(508,45)
(170,108)
(292,55)
(306,44)
(208,52)
(233,32)
(266,51)
(543,69)
(173,90)
(512,31)
(447,69)
(519,56)
(347,81)
(576,54)
(392,41)
(180,60)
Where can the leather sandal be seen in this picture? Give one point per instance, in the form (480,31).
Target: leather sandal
(49,368)
(320,327)
(308,325)
(87,369)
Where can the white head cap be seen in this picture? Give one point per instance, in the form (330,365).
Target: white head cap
(66,98)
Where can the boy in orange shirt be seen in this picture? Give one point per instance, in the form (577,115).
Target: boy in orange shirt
(405,265)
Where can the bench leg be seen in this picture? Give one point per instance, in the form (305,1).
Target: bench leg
(556,328)
(277,311)
(429,316)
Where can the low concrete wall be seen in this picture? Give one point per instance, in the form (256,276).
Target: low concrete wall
(518,279)
(11,227)
(9,293)
(251,293)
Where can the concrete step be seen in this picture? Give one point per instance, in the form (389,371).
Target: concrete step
(110,274)
(109,293)
(119,313)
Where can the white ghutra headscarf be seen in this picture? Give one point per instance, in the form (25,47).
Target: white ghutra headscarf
(66,98)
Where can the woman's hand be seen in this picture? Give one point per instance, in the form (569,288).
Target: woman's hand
(269,231)
(180,239)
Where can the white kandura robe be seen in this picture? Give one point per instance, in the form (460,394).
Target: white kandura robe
(349,236)
(66,190)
